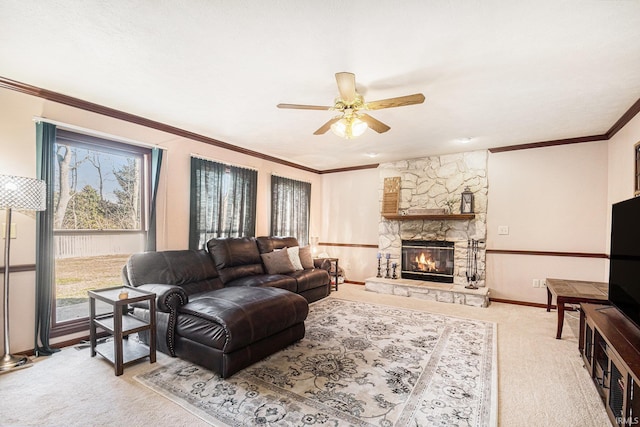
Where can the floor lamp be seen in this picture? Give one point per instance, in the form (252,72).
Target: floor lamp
(24,194)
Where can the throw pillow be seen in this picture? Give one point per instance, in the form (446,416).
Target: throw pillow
(294,257)
(305,257)
(277,262)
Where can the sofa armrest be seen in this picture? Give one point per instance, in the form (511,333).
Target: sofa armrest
(168,297)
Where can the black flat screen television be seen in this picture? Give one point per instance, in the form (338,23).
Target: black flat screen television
(624,259)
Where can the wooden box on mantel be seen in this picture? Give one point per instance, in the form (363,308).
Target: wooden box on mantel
(391,196)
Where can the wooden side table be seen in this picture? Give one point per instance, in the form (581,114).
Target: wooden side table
(574,292)
(120,323)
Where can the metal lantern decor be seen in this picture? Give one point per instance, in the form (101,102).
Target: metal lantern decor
(466,201)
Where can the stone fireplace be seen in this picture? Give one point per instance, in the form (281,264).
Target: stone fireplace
(431,249)
(429,260)
(432,183)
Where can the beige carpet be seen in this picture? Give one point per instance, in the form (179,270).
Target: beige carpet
(542,381)
(359,364)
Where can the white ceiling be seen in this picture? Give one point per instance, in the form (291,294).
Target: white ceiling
(502,72)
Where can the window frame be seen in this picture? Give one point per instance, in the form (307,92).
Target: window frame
(636,189)
(274,203)
(66,327)
(203,173)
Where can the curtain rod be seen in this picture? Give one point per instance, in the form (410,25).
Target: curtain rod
(210,159)
(97,133)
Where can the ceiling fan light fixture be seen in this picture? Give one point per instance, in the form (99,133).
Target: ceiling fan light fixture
(349,127)
(349,102)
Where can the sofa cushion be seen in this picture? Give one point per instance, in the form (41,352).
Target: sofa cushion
(235,257)
(232,318)
(277,262)
(270,280)
(305,257)
(271,243)
(192,270)
(294,257)
(309,279)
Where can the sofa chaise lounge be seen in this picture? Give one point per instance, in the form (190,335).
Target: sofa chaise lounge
(231,305)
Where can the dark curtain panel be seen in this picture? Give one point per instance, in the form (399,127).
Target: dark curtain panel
(156,165)
(290,202)
(45,140)
(223,202)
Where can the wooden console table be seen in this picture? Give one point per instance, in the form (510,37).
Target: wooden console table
(574,292)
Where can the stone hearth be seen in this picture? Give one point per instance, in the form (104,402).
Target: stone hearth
(441,292)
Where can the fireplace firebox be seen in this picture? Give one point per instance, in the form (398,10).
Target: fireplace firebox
(429,260)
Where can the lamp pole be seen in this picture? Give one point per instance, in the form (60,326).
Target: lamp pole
(16,193)
(8,361)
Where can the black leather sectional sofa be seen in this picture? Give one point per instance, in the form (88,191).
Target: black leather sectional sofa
(231,305)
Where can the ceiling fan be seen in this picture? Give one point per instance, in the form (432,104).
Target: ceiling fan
(352,122)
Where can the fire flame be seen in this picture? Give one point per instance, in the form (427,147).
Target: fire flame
(424,263)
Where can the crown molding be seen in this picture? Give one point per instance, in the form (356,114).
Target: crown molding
(626,118)
(350,168)
(142,121)
(551,143)
(622,121)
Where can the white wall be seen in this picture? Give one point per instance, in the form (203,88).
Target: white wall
(622,161)
(552,199)
(17,148)
(350,215)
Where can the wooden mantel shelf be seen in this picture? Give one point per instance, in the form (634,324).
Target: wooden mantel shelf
(449,217)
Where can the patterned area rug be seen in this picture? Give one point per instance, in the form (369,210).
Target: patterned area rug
(359,365)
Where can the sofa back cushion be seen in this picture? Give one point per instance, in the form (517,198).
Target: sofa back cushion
(268,244)
(235,257)
(306,259)
(190,269)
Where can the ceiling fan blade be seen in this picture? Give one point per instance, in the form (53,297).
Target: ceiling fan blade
(304,107)
(346,86)
(374,124)
(325,127)
(401,101)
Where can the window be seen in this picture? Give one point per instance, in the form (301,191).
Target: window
(99,218)
(636,189)
(223,201)
(290,201)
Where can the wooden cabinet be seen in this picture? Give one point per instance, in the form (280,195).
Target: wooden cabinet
(610,347)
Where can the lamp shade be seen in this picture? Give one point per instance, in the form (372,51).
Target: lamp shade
(349,127)
(17,192)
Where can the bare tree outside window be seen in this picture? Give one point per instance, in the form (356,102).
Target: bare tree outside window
(96,190)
